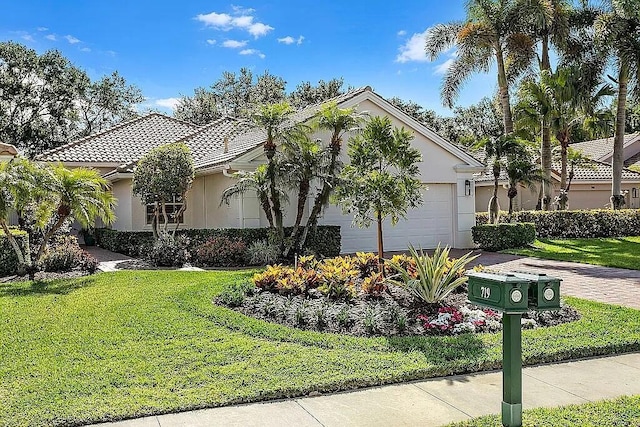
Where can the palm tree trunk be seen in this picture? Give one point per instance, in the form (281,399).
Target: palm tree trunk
(303,193)
(545,65)
(503,86)
(380,243)
(47,237)
(14,243)
(266,207)
(617,199)
(270,152)
(494,206)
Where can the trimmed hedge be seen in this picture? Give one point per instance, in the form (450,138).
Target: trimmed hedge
(578,224)
(8,258)
(496,237)
(325,241)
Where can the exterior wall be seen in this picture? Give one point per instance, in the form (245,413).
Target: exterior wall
(464,206)
(124,212)
(525,200)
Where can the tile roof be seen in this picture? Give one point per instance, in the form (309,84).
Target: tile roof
(123,143)
(633,161)
(8,149)
(601,148)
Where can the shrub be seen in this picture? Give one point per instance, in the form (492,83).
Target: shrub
(324,241)
(374,285)
(496,237)
(579,224)
(64,254)
(262,253)
(169,252)
(367,263)
(8,258)
(438,275)
(221,252)
(235,293)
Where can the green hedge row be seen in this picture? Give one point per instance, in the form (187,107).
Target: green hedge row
(497,237)
(577,224)
(325,241)
(8,258)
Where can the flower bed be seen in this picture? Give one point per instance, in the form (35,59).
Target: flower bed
(348,295)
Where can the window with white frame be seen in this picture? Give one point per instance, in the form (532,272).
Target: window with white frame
(172,208)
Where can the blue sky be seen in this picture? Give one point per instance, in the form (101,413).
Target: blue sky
(170,48)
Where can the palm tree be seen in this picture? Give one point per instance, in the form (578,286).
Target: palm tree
(564,100)
(521,170)
(274,121)
(575,159)
(499,153)
(338,121)
(257,182)
(81,194)
(486,37)
(617,31)
(547,22)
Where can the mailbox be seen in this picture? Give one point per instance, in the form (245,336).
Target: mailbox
(500,291)
(544,291)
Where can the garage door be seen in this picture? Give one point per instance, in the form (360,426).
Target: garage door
(426,226)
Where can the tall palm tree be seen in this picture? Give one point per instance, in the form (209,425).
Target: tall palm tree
(547,22)
(487,36)
(617,31)
(81,194)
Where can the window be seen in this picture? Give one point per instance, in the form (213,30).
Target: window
(634,193)
(172,207)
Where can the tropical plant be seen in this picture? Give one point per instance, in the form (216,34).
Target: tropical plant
(575,159)
(382,179)
(162,175)
(488,34)
(521,170)
(438,275)
(617,32)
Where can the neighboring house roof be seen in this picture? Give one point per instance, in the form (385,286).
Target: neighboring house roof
(123,143)
(7,150)
(600,149)
(633,161)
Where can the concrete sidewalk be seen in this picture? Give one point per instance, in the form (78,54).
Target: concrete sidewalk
(427,403)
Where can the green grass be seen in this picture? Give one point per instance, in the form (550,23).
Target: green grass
(622,252)
(128,344)
(624,411)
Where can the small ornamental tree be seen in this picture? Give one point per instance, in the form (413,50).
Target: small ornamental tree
(382,179)
(163,175)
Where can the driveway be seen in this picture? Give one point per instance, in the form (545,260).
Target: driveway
(605,284)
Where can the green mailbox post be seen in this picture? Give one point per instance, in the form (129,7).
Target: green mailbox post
(513,294)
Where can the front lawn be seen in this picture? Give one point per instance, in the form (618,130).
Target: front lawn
(621,252)
(128,344)
(624,411)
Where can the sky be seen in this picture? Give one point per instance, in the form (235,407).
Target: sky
(168,48)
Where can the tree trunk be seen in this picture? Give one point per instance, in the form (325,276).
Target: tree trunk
(47,236)
(545,65)
(494,206)
(617,199)
(270,152)
(266,207)
(179,214)
(380,244)
(512,193)
(303,193)
(503,89)
(14,243)
(163,205)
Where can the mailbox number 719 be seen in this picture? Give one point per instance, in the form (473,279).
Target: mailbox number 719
(485,292)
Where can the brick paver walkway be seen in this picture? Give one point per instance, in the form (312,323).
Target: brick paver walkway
(605,284)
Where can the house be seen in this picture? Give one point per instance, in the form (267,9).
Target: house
(228,145)
(591,185)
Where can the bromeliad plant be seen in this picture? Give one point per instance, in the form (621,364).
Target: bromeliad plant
(437,275)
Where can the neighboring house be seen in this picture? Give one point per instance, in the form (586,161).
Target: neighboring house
(7,152)
(591,186)
(229,145)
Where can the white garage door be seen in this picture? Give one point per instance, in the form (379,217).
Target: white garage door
(426,226)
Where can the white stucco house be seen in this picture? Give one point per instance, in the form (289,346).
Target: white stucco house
(228,145)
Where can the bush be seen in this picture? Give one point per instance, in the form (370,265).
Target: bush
(235,293)
(262,253)
(8,258)
(325,241)
(496,237)
(578,224)
(64,254)
(221,252)
(169,252)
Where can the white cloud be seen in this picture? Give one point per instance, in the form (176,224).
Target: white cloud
(252,52)
(241,10)
(234,44)
(71,39)
(413,49)
(42,28)
(402,33)
(243,21)
(167,103)
(211,41)
(444,67)
(51,37)
(85,49)
(27,37)
(291,40)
